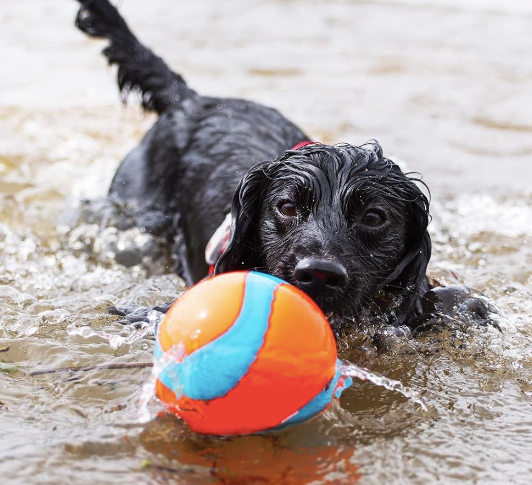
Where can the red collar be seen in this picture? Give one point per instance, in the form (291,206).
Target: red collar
(302,144)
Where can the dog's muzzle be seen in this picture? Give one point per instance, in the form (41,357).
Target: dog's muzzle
(318,277)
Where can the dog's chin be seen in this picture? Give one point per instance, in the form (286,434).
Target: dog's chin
(335,306)
(338,312)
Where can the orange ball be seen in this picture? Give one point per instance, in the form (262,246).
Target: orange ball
(250,353)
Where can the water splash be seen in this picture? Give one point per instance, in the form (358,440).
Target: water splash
(149,404)
(141,330)
(352,370)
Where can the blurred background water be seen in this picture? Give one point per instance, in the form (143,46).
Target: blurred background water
(444,85)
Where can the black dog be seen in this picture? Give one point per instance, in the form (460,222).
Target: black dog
(343,223)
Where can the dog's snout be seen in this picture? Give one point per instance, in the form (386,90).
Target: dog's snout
(319,277)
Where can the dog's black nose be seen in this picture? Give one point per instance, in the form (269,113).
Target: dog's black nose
(318,277)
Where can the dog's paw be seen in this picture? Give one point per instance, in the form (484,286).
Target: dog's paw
(454,307)
(140,315)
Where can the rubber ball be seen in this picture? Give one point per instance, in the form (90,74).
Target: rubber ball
(245,352)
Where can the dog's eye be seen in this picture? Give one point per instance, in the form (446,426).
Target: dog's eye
(372,219)
(287,208)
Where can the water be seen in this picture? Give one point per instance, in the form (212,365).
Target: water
(443,85)
(351,370)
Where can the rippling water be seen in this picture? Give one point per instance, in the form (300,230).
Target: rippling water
(444,85)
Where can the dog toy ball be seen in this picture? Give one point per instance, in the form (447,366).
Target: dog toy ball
(245,352)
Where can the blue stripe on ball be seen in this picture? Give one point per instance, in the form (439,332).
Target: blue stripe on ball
(157,350)
(274,279)
(320,401)
(229,356)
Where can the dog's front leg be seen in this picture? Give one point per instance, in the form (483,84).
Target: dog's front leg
(138,315)
(453,306)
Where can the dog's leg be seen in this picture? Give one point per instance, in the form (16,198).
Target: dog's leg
(138,315)
(138,67)
(454,307)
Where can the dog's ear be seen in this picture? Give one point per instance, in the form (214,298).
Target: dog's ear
(415,281)
(243,249)
(410,272)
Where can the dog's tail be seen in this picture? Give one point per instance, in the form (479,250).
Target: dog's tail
(138,67)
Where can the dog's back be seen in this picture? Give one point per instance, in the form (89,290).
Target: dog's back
(192,159)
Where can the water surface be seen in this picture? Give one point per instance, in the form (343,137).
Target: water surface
(446,86)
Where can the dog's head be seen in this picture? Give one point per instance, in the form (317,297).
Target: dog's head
(340,222)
